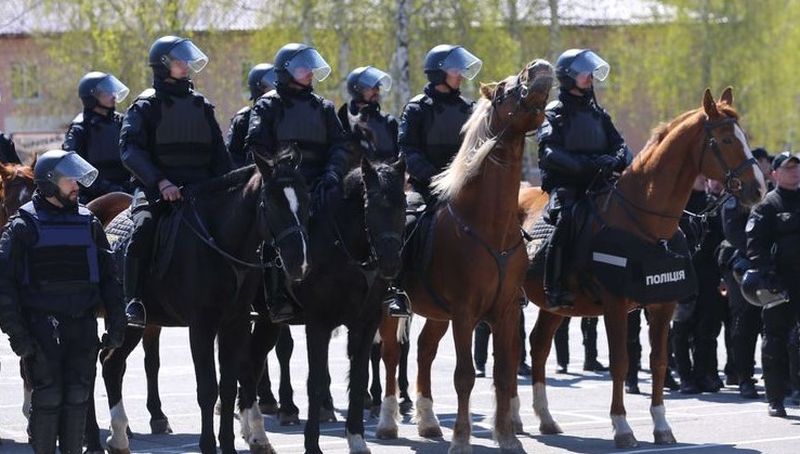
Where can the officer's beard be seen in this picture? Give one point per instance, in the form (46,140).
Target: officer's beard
(67,200)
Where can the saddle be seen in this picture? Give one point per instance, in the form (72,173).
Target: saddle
(119,233)
(542,231)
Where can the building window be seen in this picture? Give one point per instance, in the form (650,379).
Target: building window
(25,82)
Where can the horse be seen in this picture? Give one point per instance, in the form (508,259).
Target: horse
(16,189)
(355,244)
(647,202)
(477,262)
(211,279)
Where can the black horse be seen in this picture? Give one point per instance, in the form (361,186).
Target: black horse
(356,240)
(214,275)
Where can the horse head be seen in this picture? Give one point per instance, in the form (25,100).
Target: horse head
(726,155)
(16,190)
(384,212)
(283,205)
(519,101)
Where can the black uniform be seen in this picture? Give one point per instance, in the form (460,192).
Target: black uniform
(430,134)
(775,223)
(168,132)
(55,270)
(8,152)
(745,317)
(383,128)
(299,116)
(95,138)
(234,141)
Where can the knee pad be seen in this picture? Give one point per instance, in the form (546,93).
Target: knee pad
(47,399)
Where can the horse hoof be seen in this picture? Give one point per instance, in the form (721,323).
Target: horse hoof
(118,451)
(551,428)
(94,451)
(327,415)
(287,419)
(386,433)
(517,426)
(430,432)
(664,437)
(269,408)
(512,446)
(375,411)
(262,449)
(460,449)
(160,427)
(406,406)
(625,441)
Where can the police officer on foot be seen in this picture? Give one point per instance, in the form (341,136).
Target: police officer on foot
(94,133)
(294,114)
(577,144)
(373,131)
(8,153)
(430,131)
(169,138)
(56,269)
(774,225)
(261,79)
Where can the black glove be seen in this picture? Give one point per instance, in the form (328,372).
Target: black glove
(112,340)
(606,163)
(330,180)
(22,345)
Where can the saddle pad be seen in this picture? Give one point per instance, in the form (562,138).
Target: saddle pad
(120,229)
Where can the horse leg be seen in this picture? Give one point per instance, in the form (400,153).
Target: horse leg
(263,339)
(464,381)
(427,345)
(201,340)
(317,340)
(326,413)
(251,421)
(390,353)
(159,423)
(616,320)
(541,339)
(405,346)
(504,321)
(359,345)
(660,316)
(375,389)
(113,373)
(289,414)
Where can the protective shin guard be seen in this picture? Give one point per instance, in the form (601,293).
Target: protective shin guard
(44,430)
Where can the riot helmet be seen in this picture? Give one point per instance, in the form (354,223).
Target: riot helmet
(366,77)
(261,79)
(573,62)
(56,164)
(95,85)
(446,57)
(759,291)
(168,49)
(298,61)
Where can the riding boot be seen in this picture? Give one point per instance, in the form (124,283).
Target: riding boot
(281,308)
(557,295)
(134,311)
(44,430)
(73,421)
(397,302)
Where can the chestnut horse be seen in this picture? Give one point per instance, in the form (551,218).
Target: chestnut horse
(16,189)
(478,260)
(647,202)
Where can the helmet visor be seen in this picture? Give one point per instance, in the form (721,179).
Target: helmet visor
(110,85)
(76,168)
(589,62)
(462,61)
(375,78)
(308,61)
(187,52)
(269,80)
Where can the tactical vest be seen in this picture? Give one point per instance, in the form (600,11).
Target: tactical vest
(384,141)
(442,130)
(786,231)
(183,137)
(584,132)
(302,122)
(63,262)
(102,147)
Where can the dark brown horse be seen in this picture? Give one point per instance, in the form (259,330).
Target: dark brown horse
(648,202)
(16,189)
(478,260)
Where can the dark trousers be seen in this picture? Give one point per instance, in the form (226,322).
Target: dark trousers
(482,333)
(710,311)
(62,373)
(745,326)
(780,323)
(634,344)
(561,341)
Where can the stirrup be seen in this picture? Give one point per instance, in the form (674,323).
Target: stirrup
(136,314)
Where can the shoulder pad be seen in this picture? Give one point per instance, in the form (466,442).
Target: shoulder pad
(554,105)
(147,94)
(78,118)
(83,211)
(243,111)
(421,98)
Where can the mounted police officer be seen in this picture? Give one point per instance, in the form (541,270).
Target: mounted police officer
(577,143)
(169,138)
(94,133)
(294,114)
(773,246)
(260,80)
(8,153)
(55,270)
(430,130)
(362,118)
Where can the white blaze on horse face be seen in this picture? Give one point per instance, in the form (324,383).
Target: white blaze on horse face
(762,186)
(294,205)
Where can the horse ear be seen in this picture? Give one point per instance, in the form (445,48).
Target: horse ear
(399,166)
(368,172)
(487,90)
(5,171)
(709,106)
(727,96)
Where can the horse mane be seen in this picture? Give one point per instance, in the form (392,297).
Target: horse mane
(661,131)
(229,182)
(353,185)
(477,144)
